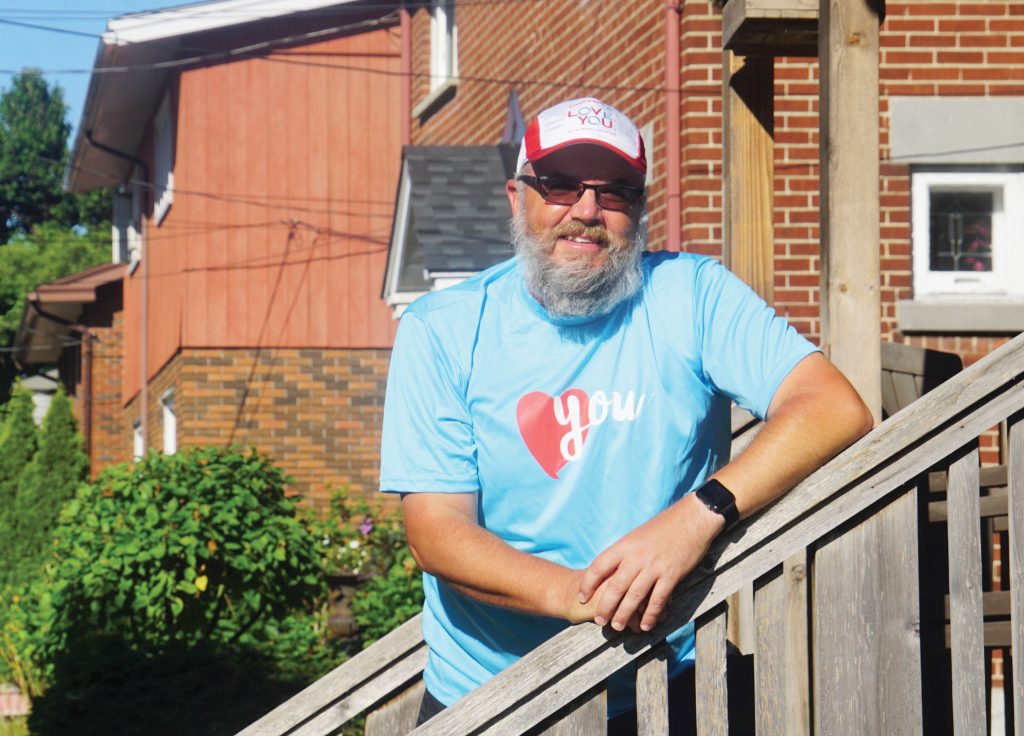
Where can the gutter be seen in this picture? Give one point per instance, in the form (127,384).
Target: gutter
(673,201)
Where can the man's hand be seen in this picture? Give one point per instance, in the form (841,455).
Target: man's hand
(634,577)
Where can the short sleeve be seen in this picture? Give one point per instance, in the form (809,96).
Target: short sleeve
(427,441)
(746,348)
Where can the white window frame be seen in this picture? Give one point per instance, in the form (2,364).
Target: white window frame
(170,422)
(444,44)
(1004,280)
(134,229)
(163,160)
(120,222)
(138,441)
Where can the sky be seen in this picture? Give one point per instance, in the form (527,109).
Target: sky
(72,48)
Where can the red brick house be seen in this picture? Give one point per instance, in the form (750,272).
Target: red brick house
(951,153)
(256,147)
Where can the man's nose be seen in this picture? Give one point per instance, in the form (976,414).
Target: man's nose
(586,208)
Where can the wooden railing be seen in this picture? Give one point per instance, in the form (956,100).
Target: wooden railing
(559,687)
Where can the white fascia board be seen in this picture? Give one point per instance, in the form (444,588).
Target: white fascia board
(396,247)
(198,17)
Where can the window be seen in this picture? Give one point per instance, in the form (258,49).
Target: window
(170,422)
(163,160)
(968,233)
(126,225)
(444,57)
(138,441)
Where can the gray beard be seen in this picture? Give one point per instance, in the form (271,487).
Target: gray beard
(578,289)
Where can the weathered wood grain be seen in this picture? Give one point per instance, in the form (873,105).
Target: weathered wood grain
(587,717)
(891,456)
(1015,455)
(712,690)
(748,127)
(965,603)
(994,634)
(848,44)
(343,679)
(866,627)
(991,476)
(398,715)
(994,603)
(988,507)
(373,691)
(652,692)
(781,666)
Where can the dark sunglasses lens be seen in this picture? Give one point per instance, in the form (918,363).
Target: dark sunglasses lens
(559,191)
(617,197)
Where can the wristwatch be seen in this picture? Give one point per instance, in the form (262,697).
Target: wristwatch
(719,499)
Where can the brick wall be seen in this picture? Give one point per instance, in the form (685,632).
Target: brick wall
(316,412)
(111,432)
(548,51)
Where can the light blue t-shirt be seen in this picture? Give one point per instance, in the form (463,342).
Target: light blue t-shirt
(573,432)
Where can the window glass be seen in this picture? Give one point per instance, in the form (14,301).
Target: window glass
(961,230)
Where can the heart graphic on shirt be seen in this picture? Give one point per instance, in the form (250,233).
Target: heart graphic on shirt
(554,435)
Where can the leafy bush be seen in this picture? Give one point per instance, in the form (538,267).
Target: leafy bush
(58,467)
(17,446)
(369,541)
(198,546)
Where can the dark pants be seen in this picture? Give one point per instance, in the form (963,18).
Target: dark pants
(682,714)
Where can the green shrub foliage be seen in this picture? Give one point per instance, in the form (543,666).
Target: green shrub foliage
(198,546)
(17,446)
(55,472)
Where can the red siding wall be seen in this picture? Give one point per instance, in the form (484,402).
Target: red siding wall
(284,179)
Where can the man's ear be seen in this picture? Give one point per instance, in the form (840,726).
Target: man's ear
(512,192)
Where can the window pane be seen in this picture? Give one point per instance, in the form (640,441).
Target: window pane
(961,230)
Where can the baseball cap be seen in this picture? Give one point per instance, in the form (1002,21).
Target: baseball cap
(585,121)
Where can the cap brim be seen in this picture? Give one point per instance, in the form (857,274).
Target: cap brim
(587,160)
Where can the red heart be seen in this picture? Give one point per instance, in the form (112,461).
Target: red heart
(541,430)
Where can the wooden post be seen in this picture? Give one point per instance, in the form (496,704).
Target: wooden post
(850,308)
(867,653)
(749,169)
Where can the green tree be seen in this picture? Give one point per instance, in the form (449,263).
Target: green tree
(56,471)
(33,152)
(17,446)
(33,156)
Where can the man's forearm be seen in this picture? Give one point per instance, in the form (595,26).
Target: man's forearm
(448,543)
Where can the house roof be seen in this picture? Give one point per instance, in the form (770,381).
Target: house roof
(459,210)
(53,307)
(119,104)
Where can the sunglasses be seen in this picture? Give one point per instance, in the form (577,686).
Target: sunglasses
(565,191)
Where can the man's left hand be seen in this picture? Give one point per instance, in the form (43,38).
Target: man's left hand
(648,563)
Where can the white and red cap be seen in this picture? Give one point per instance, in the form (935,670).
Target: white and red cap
(585,121)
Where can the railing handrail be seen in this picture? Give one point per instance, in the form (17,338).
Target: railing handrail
(891,456)
(573,662)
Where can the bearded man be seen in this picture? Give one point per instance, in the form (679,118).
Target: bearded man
(558,426)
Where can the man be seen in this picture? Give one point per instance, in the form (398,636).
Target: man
(547,420)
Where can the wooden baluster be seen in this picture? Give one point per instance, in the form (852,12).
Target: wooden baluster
(398,715)
(652,692)
(1015,490)
(780,654)
(712,692)
(588,716)
(967,637)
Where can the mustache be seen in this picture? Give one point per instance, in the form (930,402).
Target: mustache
(596,233)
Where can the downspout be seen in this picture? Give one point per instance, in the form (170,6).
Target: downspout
(405,27)
(144,297)
(673,200)
(87,339)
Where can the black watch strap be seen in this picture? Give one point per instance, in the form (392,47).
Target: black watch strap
(719,499)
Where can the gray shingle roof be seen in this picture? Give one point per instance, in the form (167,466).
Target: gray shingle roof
(459,211)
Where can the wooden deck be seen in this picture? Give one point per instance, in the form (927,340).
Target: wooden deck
(932,441)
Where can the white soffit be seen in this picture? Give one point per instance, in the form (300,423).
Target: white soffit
(197,17)
(956,130)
